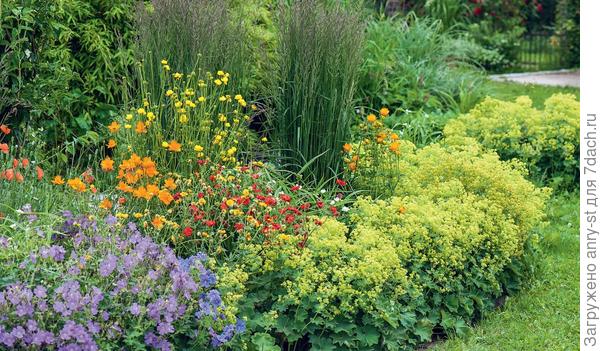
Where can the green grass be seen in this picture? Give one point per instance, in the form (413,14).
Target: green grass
(538,93)
(544,317)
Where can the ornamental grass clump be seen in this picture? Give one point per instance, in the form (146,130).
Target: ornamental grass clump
(546,141)
(315,80)
(96,284)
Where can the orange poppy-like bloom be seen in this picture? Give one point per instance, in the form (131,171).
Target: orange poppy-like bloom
(39,173)
(77,185)
(174,146)
(347,147)
(158,222)
(140,128)
(114,127)
(124,187)
(111,144)
(107,164)
(9,174)
(165,197)
(142,192)
(394,146)
(371,118)
(4,129)
(152,189)
(105,204)
(16,163)
(58,180)
(19,177)
(170,184)
(384,111)
(25,163)
(4,148)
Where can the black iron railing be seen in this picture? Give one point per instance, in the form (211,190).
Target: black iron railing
(541,51)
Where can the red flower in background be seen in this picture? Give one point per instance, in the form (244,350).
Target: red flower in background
(187,231)
(539,8)
(477,11)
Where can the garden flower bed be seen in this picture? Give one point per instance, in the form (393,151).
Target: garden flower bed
(201,201)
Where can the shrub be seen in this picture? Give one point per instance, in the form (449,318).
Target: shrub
(437,254)
(412,64)
(197,34)
(103,285)
(547,141)
(567,29)
(63,64)
(318,60)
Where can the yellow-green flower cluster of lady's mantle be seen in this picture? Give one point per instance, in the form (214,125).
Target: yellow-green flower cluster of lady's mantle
(547,141)
(438,252)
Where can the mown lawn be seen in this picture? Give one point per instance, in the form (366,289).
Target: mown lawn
(545,317)
(508,91)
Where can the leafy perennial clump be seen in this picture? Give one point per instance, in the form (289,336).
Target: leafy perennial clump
(103,285)
(547,141)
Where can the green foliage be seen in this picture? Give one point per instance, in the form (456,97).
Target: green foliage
(509,91)
(547,141)
(567,29)
(542,315)
(413,64)
(198,34)
(436,254)
(420,128)
(318,59)
(63,63)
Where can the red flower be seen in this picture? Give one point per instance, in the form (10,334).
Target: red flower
(210,223)
(320,204)
(305,206)
(341,182)
(539,8)
(285,197)
(290,218)
(295,188)
(477,11)
(334,211)
(187,231)
(239,226)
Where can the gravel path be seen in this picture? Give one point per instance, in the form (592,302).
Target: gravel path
(568,78)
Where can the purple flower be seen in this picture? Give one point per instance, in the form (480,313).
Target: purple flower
(108,265)
(111,220)
(3,242)
(164,328)
(135,309)
(56,252)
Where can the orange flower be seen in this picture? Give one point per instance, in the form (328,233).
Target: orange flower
(114,127)
(58,180)
(174,146)
(152,189)
(87,176)
(402,209)
(4,148)
(107,164)
(165,197)
(105,204)
(352,166)
(347,147)
(4,129)
(19,177)
(15,163)
(384,111)
(394,146)
(111,144)
(170,184)
(158,222)
(371,118)
(39,172)
(124,187)
(140,128)
(9,174)
(142,192)
(25,163)
(76,184)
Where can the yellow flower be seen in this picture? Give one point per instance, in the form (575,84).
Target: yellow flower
(129,117)
(178,104)
(177,75)
(164,62)
(264,139)
(230,202)
(127,126)
(138,215)
(201,99)
(167,67)
(231,151)
(169,92)
(151,116)
(238,97)
(220,73)
(218,82)
(371,118)
(183,118)
(141,111)
(222,117)
(198,148)
(165,144)
(222,98)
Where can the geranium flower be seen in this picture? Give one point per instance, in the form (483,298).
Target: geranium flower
(4,129)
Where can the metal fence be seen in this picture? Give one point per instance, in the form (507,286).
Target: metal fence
(541,51)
